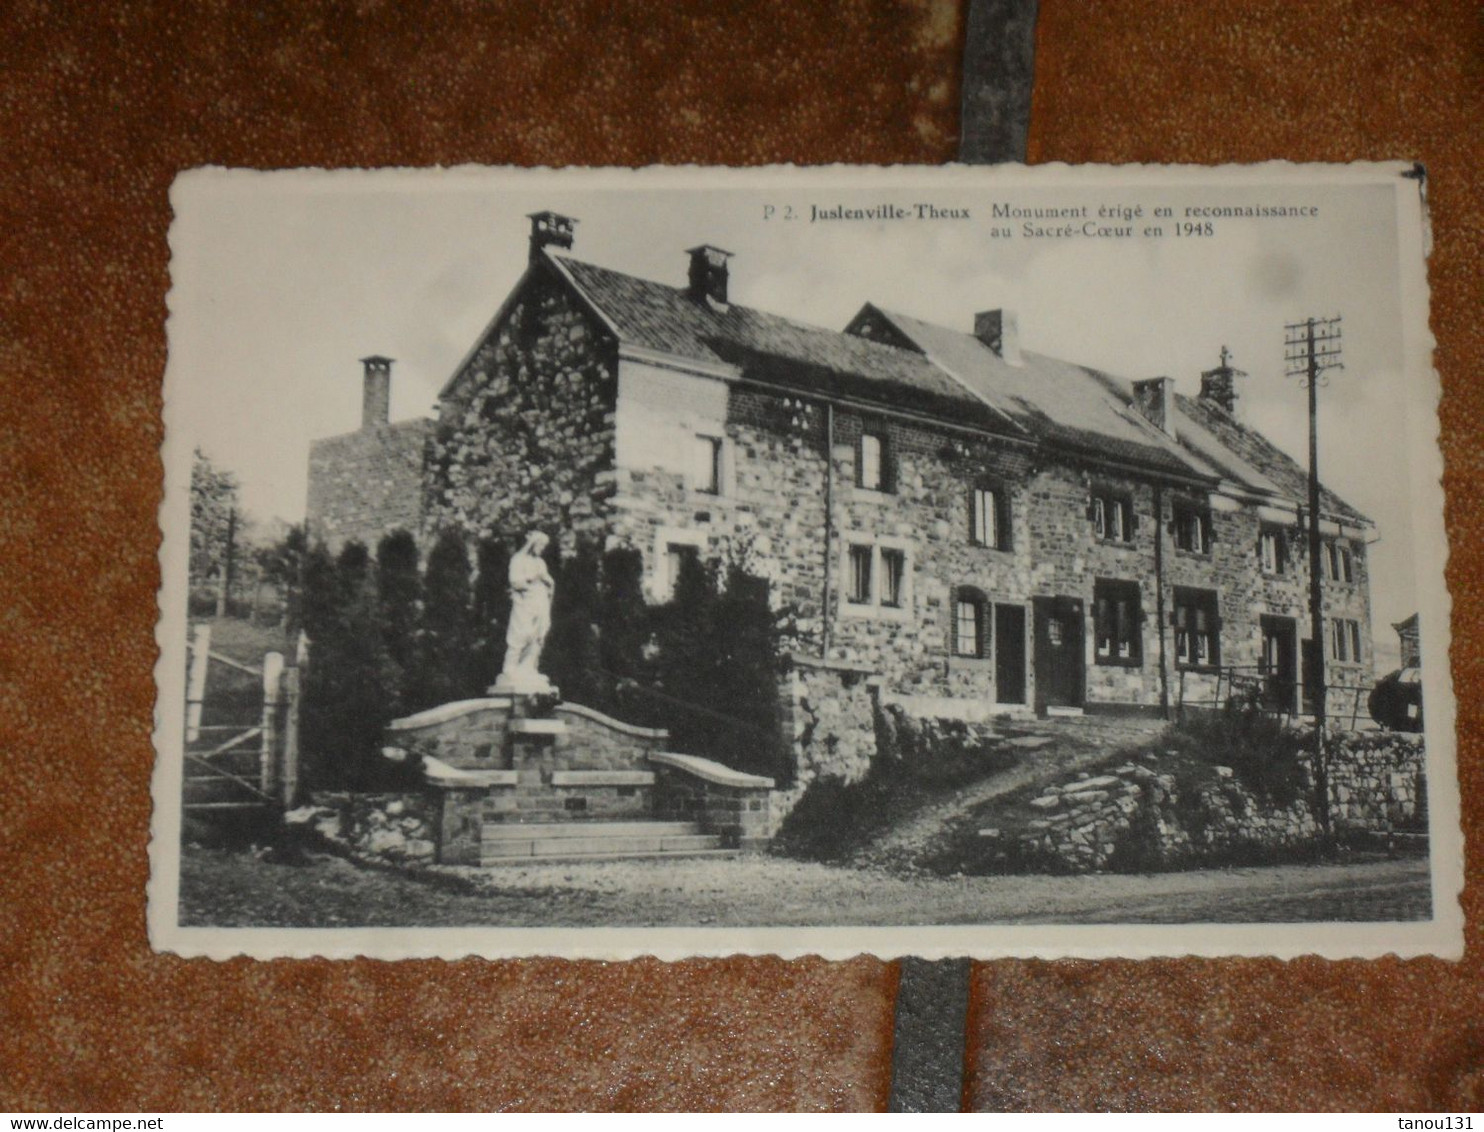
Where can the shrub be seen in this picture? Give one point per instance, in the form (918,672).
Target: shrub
(349,689)
(445,668)
(834,817)
(1265,753)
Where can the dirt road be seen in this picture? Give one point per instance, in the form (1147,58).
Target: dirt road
(235,888)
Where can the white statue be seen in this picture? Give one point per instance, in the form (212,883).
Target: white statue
(530,619)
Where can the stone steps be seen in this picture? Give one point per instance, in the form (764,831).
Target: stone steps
(524,842)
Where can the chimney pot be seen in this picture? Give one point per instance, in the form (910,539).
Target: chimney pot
(708,274)
(1154,398)
(998,330)
(550,230)
(376,391)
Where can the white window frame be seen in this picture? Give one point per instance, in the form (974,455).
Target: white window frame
(878,441)
(875,607)
(1273,564)
(712,481)
(985,505)
(1113,517)
(1193,527)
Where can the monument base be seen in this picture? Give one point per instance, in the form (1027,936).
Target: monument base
(537,685)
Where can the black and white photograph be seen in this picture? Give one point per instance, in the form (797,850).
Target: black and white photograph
(963,561)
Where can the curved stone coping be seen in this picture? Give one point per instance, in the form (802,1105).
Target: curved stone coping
(608,721)
(708,770)
(443,713)
(439,773)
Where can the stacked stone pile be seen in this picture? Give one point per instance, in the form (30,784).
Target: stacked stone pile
(393,827)
(1136,817)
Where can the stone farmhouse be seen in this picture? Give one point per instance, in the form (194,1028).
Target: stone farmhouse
(967,519)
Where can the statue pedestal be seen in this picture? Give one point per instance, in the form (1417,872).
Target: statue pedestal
(522,685)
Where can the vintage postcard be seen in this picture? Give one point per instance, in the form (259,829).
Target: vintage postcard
(964,561)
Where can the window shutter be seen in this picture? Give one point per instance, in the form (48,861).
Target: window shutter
(1133,520)
(1002,525)
(1092,513)
(985,625)
(1209,524)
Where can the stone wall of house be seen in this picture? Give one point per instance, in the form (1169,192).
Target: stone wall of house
(772,516)
(1135,817)
(525,436)
(365,484)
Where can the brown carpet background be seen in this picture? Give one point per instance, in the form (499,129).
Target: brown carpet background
(100,106)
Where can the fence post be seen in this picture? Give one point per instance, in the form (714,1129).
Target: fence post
(289,779)
(272,682)
(196,679)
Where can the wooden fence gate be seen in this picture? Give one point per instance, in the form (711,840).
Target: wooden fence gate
(241,729)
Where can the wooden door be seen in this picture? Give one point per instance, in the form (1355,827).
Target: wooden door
(1009,654)
(1059,649)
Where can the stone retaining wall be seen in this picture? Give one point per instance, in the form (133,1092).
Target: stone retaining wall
(828,712)
(1135,817)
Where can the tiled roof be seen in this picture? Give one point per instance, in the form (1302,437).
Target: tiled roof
(664,318)
(956,377)
(1291,477)
(1065,405)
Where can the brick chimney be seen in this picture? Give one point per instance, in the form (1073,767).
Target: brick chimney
(376,391)
(998,331)
(550,230)
(708,274)
(1219,385)
(1154,398)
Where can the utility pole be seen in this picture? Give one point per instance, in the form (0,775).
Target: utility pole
(1310,348)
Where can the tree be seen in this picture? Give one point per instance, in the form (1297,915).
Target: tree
(571,657)
(350,685)
(214,503)
(398,594)
(281,564)
(491,609)
(446,668)
(623,615)
(717,667)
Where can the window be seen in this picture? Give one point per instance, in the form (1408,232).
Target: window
(1344,640)
(859,592)
(1340,562)
(969,636)
(1192,529)
(1113,517)
(705,472)
(1197,629)
(1118,621)
(989,518)
(676,556)
(873,462)
(876,577)
(673,546)
(893,576)
(1272,551)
